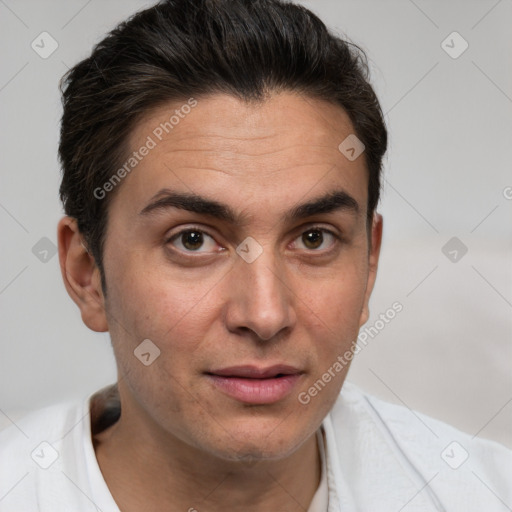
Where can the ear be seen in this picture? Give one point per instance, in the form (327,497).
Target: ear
(81,275)
(373,262)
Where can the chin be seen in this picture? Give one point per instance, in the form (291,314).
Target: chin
(251,453)
(260,440)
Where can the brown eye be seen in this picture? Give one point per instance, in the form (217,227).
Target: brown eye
(313,239)
(316,239)
(192,240)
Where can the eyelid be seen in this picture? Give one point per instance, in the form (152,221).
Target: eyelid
(338,237)
(188,229)
(311,226)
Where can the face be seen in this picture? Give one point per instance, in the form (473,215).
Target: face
(239,246)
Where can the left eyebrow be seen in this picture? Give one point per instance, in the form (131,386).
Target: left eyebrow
(337,200)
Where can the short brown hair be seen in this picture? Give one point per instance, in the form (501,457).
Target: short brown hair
(183,48)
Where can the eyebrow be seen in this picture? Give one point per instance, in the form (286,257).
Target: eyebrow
(337,200)
(165,199)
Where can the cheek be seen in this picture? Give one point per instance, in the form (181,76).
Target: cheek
(332,331)
(152,304)
(174,316)
(332,320)
(337,300)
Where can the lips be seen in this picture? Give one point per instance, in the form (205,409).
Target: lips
(253,372)
(256,385)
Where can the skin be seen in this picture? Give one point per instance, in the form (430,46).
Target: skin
(180,442)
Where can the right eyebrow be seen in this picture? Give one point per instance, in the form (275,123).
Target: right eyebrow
(166,199)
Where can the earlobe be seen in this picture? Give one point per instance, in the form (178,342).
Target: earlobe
(373,263)
(81,275)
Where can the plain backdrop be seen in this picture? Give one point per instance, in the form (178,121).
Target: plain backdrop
(447,174)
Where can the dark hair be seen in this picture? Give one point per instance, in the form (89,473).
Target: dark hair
(179,49)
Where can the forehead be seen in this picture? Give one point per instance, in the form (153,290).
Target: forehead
(242,153)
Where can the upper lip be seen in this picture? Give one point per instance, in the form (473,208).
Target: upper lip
(255,372)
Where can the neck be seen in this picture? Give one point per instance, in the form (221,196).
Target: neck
(147,469)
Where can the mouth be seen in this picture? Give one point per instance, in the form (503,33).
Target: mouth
(256,385)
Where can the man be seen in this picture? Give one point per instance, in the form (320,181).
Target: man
(221,164)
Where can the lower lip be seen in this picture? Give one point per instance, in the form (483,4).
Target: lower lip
(256,391)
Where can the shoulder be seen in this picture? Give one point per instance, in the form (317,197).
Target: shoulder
(461,470)
(37,450)
(44,424)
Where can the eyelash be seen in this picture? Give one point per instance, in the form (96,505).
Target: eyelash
(176,236)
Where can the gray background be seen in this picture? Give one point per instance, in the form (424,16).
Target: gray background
(448,352)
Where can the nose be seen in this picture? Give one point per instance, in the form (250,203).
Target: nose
(260,299)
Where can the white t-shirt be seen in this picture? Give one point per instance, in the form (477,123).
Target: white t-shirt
(377,457)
